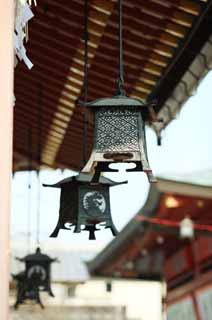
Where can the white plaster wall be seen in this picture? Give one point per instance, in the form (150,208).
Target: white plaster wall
(141,298)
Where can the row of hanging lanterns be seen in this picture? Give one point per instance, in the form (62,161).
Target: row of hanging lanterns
(119,136)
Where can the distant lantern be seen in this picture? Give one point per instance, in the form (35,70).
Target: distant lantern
(84,204)
(108,286)
(119,134)
(186,228)
(38,267)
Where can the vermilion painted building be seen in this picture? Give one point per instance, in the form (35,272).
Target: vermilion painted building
(154,251)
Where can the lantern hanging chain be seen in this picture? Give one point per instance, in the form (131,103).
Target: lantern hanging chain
(29,189)
(121,65)
(85,120)
(39,137)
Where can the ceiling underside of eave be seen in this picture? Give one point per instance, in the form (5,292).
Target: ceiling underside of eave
(155,32)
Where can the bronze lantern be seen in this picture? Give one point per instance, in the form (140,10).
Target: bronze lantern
(119,126)
(38,266)
(119,135)
(84,204)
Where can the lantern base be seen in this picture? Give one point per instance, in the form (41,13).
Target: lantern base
(91,228)
(60,225)
(99,163)
(26,291)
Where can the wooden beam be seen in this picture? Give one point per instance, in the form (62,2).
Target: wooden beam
(176,294)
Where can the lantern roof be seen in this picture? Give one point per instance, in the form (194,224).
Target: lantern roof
(115,101)
(37,257)
(84,178)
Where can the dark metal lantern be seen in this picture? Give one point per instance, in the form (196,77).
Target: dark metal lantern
(84,204)
(119,135)
(38,267)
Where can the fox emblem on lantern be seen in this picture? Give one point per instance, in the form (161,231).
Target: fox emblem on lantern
(35,278)
(83,203)
(39,265)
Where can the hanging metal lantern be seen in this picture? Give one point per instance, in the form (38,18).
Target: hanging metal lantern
(119,127)
(27,289)
(38,269)
(84,204)
(119,135)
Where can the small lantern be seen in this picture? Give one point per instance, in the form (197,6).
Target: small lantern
(27,289)
(186,228)
(83,203)
(38,267)
(119,135)
(108,286)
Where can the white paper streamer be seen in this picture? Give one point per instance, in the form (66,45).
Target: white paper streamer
(23,15)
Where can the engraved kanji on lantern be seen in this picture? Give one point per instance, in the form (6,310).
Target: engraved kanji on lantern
(119,135)
(84,204)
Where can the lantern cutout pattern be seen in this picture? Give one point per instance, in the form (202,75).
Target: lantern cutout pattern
(119,135)
(84,204)
(35,278)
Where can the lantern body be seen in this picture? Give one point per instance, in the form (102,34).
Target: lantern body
(83,204)
(38,270)
(119,135)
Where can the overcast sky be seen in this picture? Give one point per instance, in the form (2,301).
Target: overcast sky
(186,150)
